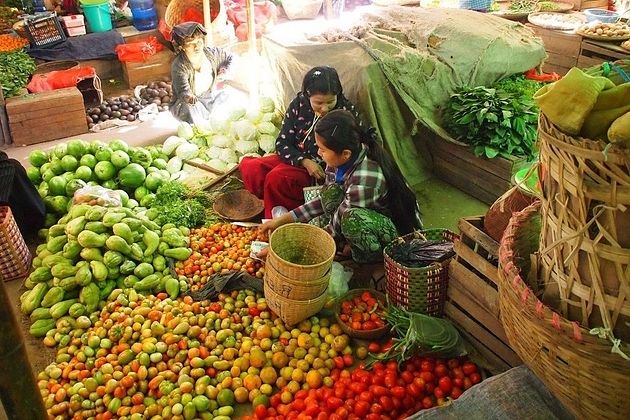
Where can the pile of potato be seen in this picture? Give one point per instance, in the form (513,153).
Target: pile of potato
(607,30)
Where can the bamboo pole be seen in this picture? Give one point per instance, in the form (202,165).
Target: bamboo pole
(253,53)
(20,395)
(207,22)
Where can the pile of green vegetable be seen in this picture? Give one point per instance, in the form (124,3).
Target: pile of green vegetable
(91,251)
(420,334)
(135,172)
(176,203)
(15,69)
(497,121)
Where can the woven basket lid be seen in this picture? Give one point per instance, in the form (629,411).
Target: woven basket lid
(238,205)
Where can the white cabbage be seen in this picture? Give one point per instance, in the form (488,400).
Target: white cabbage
(214,152)
(253,115)
(187,151)
(237,114)
(185,130)
(171,144)
(243,130)
(267,143)
(228,156)
(174,165)
(244,147)
(266,127)
(217,164)
(221,141)
(266,104)
(218,124)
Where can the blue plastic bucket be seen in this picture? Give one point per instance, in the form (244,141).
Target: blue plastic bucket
(97,15)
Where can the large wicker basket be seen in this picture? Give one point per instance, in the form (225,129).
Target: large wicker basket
(578,368)
(177,10)
(423,289)
(309,240)
(585,248)
(293,311)
(15,257)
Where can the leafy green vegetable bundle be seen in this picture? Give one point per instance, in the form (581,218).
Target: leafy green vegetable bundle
(15,69)
(180,205)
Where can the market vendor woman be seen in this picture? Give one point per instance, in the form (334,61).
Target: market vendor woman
(279,179)
(194,72)
(365,195)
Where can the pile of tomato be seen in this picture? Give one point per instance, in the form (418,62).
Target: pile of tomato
(385,392)
(220,248)
(362,312)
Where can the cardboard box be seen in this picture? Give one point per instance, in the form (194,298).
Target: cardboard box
(40,117)
(156,67)
(74,25)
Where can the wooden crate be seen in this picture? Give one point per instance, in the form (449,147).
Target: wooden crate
(563,49)
(590,4)
(484,179)
(40,117)
(594,53)
(157,67)
(473,299)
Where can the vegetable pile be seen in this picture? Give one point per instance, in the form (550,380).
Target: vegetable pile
(10,43)
(223,142)
(135,172)
(364,312)
(15,69)
(219,248)
(8,17)
(494,122)
(178,204)
(90,252)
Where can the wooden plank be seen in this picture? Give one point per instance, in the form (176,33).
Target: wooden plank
(55,131)
(479,187)
(468,303)
(561,60)
(50,115)
(38,125)
(483,293)
(480,264)
(158,66)
(491,361)
(476,234)
(584,62)
(607,50)
(476,330)
(43,100)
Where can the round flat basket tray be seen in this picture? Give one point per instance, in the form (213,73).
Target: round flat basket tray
(602,38)
(361,334)
(56,66)
(562,21)
(506,14)
(558,6)
(238,205)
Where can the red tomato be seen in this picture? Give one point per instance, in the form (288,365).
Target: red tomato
(408,401)
(374,347)
(369,325)
(366,296)
(390,381)
(334,403)
(312,410)
(427,402)
(398,392)
(427,377)
(347,360)
(475,378)
(356,325)
(261,411)
(456,393)
(379,390)
(469,368)
(322,416)
(426,366)
(438,393)
(338,362)
(342,412)
(467,383)
(392,366)
(457,373)
(373,415)
(407,376)
(419,382)
(386,403)
(378,379)
(453,363)
(441,370)
(275,400)
(376,408)
(414,390)
(366,396)
(445,384)
(361,409)
(429,388)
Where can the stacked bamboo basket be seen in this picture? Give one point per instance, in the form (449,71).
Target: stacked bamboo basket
(584,260)
(297,291)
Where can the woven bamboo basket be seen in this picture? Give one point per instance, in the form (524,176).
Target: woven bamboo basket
(308,241)
(293,311)
(419,289)
(578,368)
(292,288)
(360,334)
(585,248)
(177,9)
(15,257)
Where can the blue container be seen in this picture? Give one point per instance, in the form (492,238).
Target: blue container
(39,6)
(144,14)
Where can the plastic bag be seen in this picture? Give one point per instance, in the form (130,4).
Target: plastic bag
(97,195)
(339,278)
(59,79)
(138,51)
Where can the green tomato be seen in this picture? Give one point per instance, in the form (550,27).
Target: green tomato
(69,163)
(84,173)
(88,160)
(104,170)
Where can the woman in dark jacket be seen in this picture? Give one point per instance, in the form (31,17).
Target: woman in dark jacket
(194,72)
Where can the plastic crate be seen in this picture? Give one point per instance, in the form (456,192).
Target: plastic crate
(44,30)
